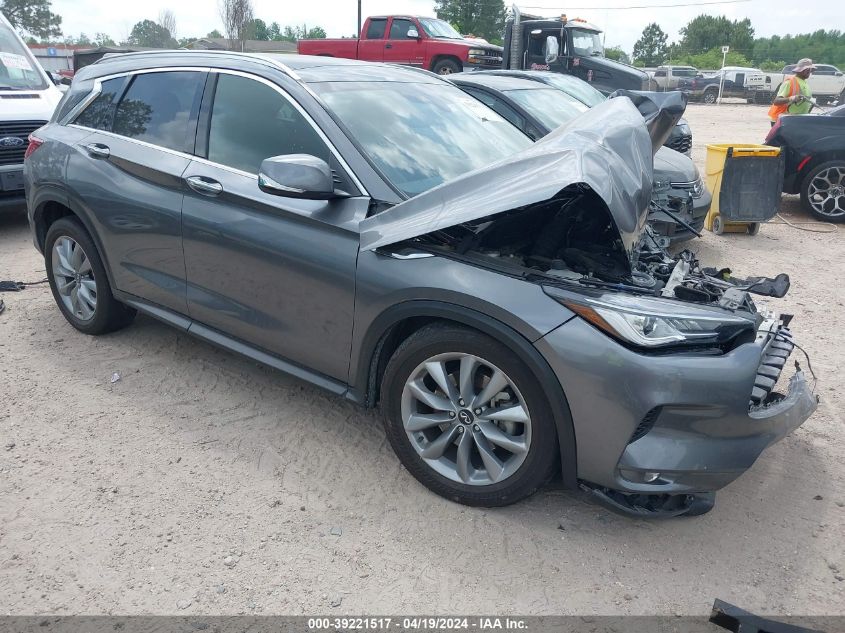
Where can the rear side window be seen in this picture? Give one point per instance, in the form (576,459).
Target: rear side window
(98,114)
(158,107)
(375,31)
(250,121)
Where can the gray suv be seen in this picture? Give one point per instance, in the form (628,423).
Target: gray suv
(375,231)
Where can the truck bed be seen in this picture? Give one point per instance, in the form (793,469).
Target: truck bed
(334,47)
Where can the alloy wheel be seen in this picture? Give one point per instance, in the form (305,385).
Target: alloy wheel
(74,278)
(826,192)
(466,419)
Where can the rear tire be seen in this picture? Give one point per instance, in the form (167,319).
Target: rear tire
(753,228)
(718,225)
(823,191)
(446,67)
(467,417)
(79,282)
(710,96)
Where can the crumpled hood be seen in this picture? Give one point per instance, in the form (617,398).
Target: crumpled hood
(608,148)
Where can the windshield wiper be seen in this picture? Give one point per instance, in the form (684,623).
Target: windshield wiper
(14,88)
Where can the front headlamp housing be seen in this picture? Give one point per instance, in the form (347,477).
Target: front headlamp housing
(657,323)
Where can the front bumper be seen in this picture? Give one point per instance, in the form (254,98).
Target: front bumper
(691,209)
(685,417)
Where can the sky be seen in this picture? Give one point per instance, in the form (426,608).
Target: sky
(338,17)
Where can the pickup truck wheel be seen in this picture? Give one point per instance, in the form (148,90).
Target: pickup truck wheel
(823,191)
(710,96)
(467,418)
(446,67)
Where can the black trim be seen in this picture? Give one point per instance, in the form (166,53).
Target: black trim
(204,118)
(363,381)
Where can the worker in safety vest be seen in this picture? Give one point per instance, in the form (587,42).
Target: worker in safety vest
(794,95)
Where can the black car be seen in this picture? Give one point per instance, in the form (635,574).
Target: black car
(815,160)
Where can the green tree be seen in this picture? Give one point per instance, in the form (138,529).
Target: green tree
(317,33)
(651,48)
(616,53)
(148,34)
(32,16)
(712,59)
(103,39)
(215,34)
(274,31)
(482,18)
(708,31)
(256,29)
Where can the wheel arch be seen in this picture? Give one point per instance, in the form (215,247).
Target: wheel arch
(394,325)
(818,158)
(48,210)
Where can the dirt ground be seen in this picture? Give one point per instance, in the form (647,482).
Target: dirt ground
(201,482)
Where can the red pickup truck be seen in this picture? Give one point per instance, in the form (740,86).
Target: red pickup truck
(403,39)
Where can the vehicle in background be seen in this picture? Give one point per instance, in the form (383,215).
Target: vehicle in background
(680,139)
(827,83)
(416,41)
(537,108)
(739,82)
(815,160)
(377,232)
(668,77)
(28,97)
(572,47)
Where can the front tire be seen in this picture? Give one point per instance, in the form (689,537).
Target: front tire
(446,67)
(823,191)
(467,418)
(78,280)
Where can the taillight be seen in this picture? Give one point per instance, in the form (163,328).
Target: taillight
(772,132)
(34,144)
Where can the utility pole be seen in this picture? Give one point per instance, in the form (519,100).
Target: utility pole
(359,19)
(725,50)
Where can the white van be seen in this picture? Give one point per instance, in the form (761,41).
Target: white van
(28,97)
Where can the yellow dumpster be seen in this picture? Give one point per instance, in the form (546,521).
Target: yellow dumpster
(746,182)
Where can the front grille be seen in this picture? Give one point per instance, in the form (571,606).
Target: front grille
(13,154)
(775,353)
(681,144)
(696,187)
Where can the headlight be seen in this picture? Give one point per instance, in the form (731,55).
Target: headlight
(476,52)
(685,129)
(646,322)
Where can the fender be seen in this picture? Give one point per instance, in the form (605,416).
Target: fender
(362,383)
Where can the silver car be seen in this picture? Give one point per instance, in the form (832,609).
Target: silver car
(375,231)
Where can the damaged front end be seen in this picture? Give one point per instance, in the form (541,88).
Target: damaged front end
(569,214)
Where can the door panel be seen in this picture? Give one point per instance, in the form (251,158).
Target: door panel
(398,48)
(261,268)
(135,198)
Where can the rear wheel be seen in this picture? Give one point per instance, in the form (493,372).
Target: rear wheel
(710,96)
(467,418)
(823,191)
(446,67)
(718,225)
(753,228)
(79,282)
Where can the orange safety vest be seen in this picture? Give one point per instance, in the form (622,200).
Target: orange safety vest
(776,110)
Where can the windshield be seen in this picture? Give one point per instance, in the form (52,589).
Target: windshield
(421,135)
(587,43)
(551,107)
(439,28)
(16,70)
(575,87)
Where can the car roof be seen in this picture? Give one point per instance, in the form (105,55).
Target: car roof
(306,68)
(502,83)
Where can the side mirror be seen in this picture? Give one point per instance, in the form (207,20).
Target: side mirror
(839,73)
(413,34)
(297,176)
(552,49)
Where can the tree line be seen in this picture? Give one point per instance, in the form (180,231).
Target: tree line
(703,37)
(35,17)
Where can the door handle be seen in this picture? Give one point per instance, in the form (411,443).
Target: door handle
(205,186)
(97,150)
(388,45)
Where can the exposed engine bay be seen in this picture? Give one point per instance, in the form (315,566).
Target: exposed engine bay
(571,239)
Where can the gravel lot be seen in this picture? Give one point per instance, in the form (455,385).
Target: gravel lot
(201,482)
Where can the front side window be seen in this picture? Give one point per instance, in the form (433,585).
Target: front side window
(551,107)
(158,107)
(375,31)
(399,29)
(98,114)
(17,70)
(251,121)
(420,135)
